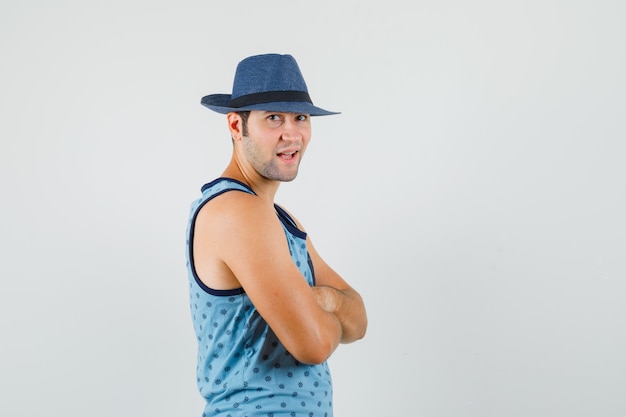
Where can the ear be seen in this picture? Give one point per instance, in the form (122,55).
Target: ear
(234,125)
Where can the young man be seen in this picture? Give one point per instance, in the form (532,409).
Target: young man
(267,310)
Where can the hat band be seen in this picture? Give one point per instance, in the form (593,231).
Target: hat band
(270,97)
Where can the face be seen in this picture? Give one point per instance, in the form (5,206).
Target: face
(276,143)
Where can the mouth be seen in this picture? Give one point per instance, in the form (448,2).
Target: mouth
(287,156)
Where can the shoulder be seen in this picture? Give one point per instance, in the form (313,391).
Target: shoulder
(230,230)
(232,205)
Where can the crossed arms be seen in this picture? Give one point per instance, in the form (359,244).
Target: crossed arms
(239,242)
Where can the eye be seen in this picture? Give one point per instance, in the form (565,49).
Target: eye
(274,120)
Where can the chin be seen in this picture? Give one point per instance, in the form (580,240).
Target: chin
(280,176)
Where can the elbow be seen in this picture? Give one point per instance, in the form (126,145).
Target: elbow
(360,334)
(312,359)
(313,341)
(354,336)
(313,352)
(355,332)
(363,328)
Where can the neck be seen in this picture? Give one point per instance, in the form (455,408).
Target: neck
(262,187)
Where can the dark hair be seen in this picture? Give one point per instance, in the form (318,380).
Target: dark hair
(244,122)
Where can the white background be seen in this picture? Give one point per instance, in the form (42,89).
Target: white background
(472,190)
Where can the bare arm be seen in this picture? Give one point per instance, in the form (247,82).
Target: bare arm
(334,295)
(239,240)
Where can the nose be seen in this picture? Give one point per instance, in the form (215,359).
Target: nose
(291,131)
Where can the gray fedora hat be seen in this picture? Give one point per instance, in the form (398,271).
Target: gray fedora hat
(269,82)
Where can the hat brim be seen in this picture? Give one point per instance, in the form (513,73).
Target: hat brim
(221,103)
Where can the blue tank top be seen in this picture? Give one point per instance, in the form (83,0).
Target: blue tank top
(243,370)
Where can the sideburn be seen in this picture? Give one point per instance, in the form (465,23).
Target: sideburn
(244,122)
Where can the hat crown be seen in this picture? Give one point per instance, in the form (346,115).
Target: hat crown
(269,82)
(265,73)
